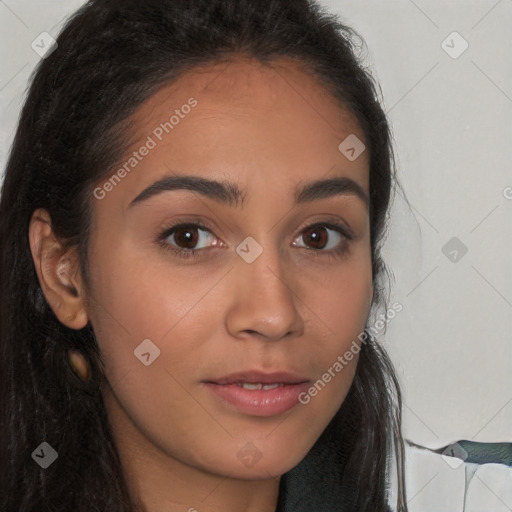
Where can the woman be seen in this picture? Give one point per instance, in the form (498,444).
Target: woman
(193,209)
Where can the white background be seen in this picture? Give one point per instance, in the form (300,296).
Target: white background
(452,343)
(451,121)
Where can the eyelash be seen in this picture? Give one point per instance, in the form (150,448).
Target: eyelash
(187,253)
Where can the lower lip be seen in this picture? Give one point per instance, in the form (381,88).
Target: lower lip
(259,402)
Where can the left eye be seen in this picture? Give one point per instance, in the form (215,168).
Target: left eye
(318,236)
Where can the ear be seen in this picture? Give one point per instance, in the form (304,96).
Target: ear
(58,271)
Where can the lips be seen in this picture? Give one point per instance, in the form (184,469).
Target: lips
(257,393)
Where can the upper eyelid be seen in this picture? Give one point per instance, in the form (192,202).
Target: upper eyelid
(166,232)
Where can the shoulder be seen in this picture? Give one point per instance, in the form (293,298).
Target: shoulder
(464,477)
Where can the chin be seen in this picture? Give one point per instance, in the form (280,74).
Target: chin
(261,470)
(252,461)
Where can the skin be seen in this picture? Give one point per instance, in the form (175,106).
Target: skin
(296,307)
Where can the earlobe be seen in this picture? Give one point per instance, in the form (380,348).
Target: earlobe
(58,271)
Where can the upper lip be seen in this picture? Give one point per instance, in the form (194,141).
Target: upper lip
(258,376)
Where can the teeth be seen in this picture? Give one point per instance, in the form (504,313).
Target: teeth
(271,386)
(247,385)
(251,386)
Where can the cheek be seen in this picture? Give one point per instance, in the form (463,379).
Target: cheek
(353,303)
(130,302)
(339,306)
(340,297)
(151,307)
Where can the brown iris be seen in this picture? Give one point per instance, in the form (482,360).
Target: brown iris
(316,235)
(186,235)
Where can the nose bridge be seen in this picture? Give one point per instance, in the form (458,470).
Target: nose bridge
(264,298)
(262,264)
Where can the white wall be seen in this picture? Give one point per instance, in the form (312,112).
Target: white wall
(452,125)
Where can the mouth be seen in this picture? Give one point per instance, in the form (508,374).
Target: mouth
(257,393)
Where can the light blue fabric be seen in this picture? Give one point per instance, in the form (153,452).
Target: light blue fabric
(481,453)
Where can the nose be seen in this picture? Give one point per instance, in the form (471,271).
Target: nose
(264,303)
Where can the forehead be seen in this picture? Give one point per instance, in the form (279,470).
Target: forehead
(250,121)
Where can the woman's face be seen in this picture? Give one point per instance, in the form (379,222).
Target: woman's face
(273,287)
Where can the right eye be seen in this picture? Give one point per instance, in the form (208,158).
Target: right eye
(183,238)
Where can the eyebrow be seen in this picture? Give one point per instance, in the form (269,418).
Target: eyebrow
(229,193)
